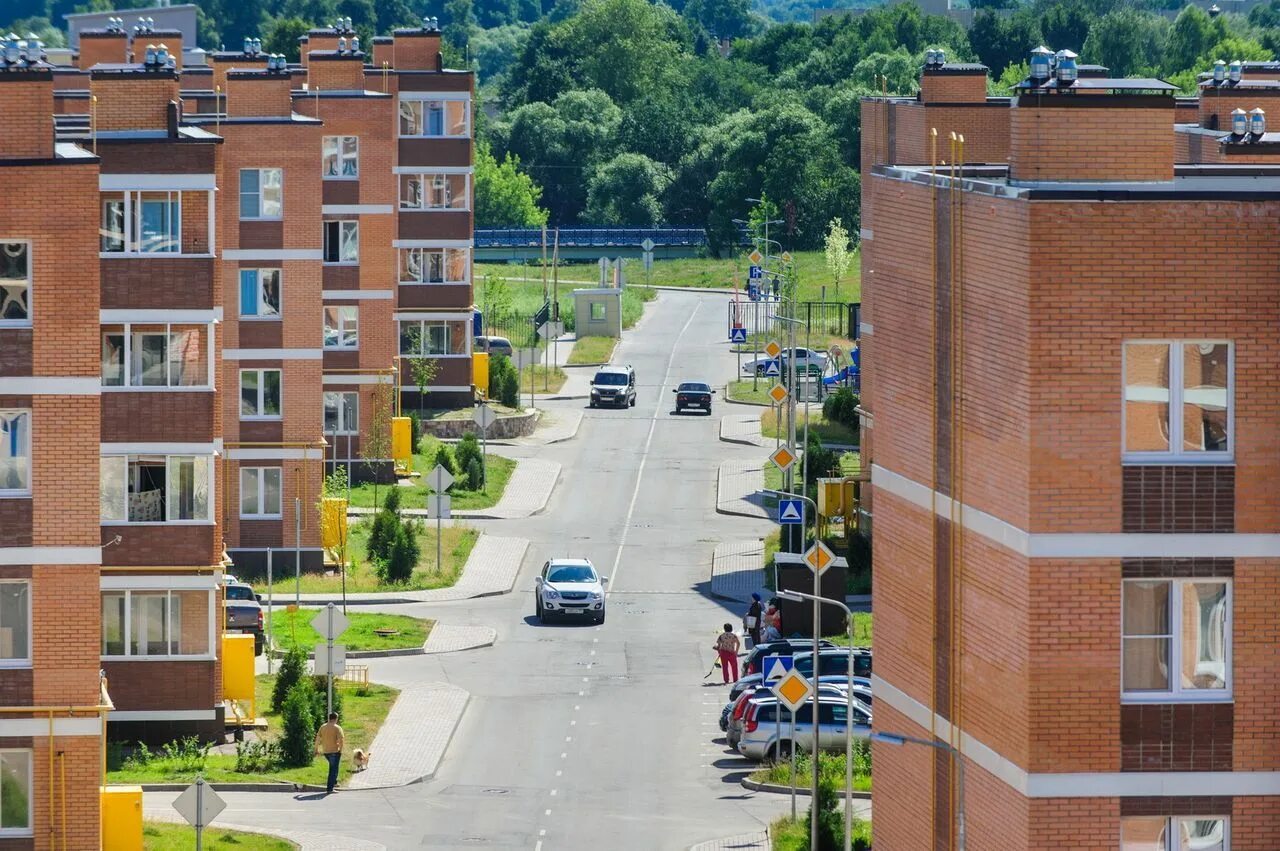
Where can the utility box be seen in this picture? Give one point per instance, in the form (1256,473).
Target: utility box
(831,497)
(333,522)
(401,441)
(480,372)
(122,814)
(797,617)
(237,666)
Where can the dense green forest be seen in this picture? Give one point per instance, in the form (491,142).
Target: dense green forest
(639,112)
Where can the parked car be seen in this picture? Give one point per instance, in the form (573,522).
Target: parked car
(835,662)
(242,612)
(760,729)
(753,680)
(737,709)
(493,345)
(782,647)
(807,360)
(614,385)
(693,394)
(569,587)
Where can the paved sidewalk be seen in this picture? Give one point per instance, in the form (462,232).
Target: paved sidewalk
(737,571)
(413,739)
(304,839)
(555,425)
(738,488)
(741,428)
(490,570)
(759,839)
(450,638)
(527,493)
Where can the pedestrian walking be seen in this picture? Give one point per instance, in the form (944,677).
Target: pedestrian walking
(751,622)
(727,646)
(329,741)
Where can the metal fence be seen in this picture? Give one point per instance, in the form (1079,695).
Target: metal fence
(594,237)
(824,318)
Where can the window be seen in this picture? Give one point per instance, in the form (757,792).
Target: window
(15,452)
(1176,637)
(432,339)
(15,624)
(1177,401)
(1179,833)
(434,192)
(141,222)
(435,265)
(259,394)
(435,117)
(597,311)
(15,793)
(342,241)
(155,488)
(259,491)
(260,293)
(342,326)
(341,157)
(261,193)
(146,623)
(341,413)
(15,284)
(140,356)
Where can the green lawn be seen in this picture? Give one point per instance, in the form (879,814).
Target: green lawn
(293,629)
(162,836)
(831,769)
(742,391)
(525,297)
(456,544)
(592,350)
(829,430)
(810,267)
(861,631)
(540,379)
(788,835)
(363,711)
(424,461)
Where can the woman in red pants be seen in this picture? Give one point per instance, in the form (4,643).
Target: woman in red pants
(727,646)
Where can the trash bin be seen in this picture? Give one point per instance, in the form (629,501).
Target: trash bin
(797,617)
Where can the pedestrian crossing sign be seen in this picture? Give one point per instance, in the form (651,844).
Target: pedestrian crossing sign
(790,512)
(772,368)
(738,335)
(776,667)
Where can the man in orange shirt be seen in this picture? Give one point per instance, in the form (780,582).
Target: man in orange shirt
(329,741)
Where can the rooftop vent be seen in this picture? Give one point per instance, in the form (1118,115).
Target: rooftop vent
(1219,72)
(1066,67)
(115,25)
(431,25)
(144,25)
(1239,122)
(1257,121)
(342,25)
(935,58)
(1234,69)
(1041,63)
(355,44)
(342,45)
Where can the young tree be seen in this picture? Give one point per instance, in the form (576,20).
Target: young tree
(505,195)
(838,254)
(297,746)
(375,444)
(422,370)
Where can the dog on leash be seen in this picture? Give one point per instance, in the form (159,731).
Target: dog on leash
(361,759)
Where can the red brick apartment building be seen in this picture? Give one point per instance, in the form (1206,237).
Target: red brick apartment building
(1071,334)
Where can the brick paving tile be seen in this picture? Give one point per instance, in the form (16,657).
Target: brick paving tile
(450,638)
(413,739)
(737,489)
(741,428)
(741,842)
(737,570)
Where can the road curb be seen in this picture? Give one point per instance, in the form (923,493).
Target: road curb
(801,791)
(759,514)
(281,786)
(721,290)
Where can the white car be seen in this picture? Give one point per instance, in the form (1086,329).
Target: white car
(808,360)
(569,588)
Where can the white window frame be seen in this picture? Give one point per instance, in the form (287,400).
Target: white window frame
(424,177)
(23,323)
(21,662)
(344,326)
(121,499)
(126,374)
(421,279)
(336,143)
(344,428)
(423,336)
(241,195)
(259,476)
(423,98)
(1176,693)
(1173,834)
(344,225)
(131,244)
(257,274)
(261,394)
(29,830)
(1176,454)
(127,626)
(25,449)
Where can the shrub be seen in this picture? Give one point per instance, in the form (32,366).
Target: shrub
(382,532)
(445,459)
(415,430)
(257,757)
(475,474)
(140,758)
(402,555)
(292,667)
(186,754)
(842,407)
(504,381)
(297,740)
(320,699)
(391,502)
(468,448)
(830,822)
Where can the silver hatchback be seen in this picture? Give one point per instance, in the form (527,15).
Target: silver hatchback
(760,730)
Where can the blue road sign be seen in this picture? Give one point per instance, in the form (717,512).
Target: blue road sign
(755,273)
(790,512)
(772,368)
(776,667)
(737,335)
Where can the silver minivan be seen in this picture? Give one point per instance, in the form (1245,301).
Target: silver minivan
(760,739)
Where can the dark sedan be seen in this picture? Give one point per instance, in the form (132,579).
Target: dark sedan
(693,394)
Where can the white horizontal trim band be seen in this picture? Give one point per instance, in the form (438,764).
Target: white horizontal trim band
(37,385)
(354,209)
(425,317)
(359,295)
(1117,784)
(353,379)
(272,354)
(88,725)
(267,454)
(160,448)
(50,555)
(1081,544)
(160,582)
(194,317)
(432,169)
(273,254)
(431,243)
(285,550)
(865,329)
(435,96)
(172,182)
(162,715)
(865,234)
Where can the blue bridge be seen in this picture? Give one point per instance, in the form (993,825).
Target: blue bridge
(587,243)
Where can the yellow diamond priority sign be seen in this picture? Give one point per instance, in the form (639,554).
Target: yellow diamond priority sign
(783,457)
(772,349)
(793,690)
(819,557)
(778,394)
(755,257)
(786,257)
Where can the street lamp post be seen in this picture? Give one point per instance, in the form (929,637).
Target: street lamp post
(848,736)
(899,739)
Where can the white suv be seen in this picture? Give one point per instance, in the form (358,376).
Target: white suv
(570,588)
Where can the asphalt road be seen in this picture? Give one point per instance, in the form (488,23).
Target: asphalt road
(585,737)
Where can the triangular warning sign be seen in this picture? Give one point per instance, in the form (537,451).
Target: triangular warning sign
(790,511)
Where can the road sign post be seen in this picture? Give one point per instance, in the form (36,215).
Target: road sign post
(440,480)
(484,417)
(199,806)
(330,624)
(792,692)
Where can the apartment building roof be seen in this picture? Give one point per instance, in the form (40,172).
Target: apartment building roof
(1112,84)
